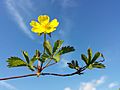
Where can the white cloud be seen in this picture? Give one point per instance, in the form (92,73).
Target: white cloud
(92,85)
(7,85)
(67,88)
(112,85)
(101,80)
(14,7)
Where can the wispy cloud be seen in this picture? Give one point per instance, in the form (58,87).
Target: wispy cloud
(69,3)
(14,7)
(66,3)
(7,85)
(112,85)
(92,84)
(66,27)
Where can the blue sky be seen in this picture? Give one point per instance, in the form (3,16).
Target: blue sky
(83,24)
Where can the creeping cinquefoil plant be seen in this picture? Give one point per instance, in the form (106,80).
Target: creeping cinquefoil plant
(52,53)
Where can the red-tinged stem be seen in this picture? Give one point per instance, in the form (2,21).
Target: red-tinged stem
(79,72)
(15,77)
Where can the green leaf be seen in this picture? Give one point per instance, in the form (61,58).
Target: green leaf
(66,49)
(56,57)
(84,58)
(44,57)
(90,67)
(25,54)
(73,65)
(31,67)
(48,47)
(89,54)
(32,60)
(76,64)
(70,65)
(98,65)
(37,54)
(16,62)
(57,45)
(96,56)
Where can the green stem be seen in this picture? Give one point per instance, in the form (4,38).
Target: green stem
(44,41)
(41,63)
(47,64)
(44,48)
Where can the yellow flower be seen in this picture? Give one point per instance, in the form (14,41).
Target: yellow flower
(44,25)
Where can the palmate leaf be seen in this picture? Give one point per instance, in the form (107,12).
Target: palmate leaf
(16,62)
(57,45)
(66,49)
(48,47)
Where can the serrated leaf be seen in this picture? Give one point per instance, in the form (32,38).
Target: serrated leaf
(98,65)
(16,62)
(89,54)
(84,58)
(56,58)
(66,49)
(57,45)
(96,56)
(25,54)
(48,47)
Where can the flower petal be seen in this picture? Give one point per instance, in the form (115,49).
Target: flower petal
(34,23)
(50,29)
(43,19)
(37,30)
(54,23)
